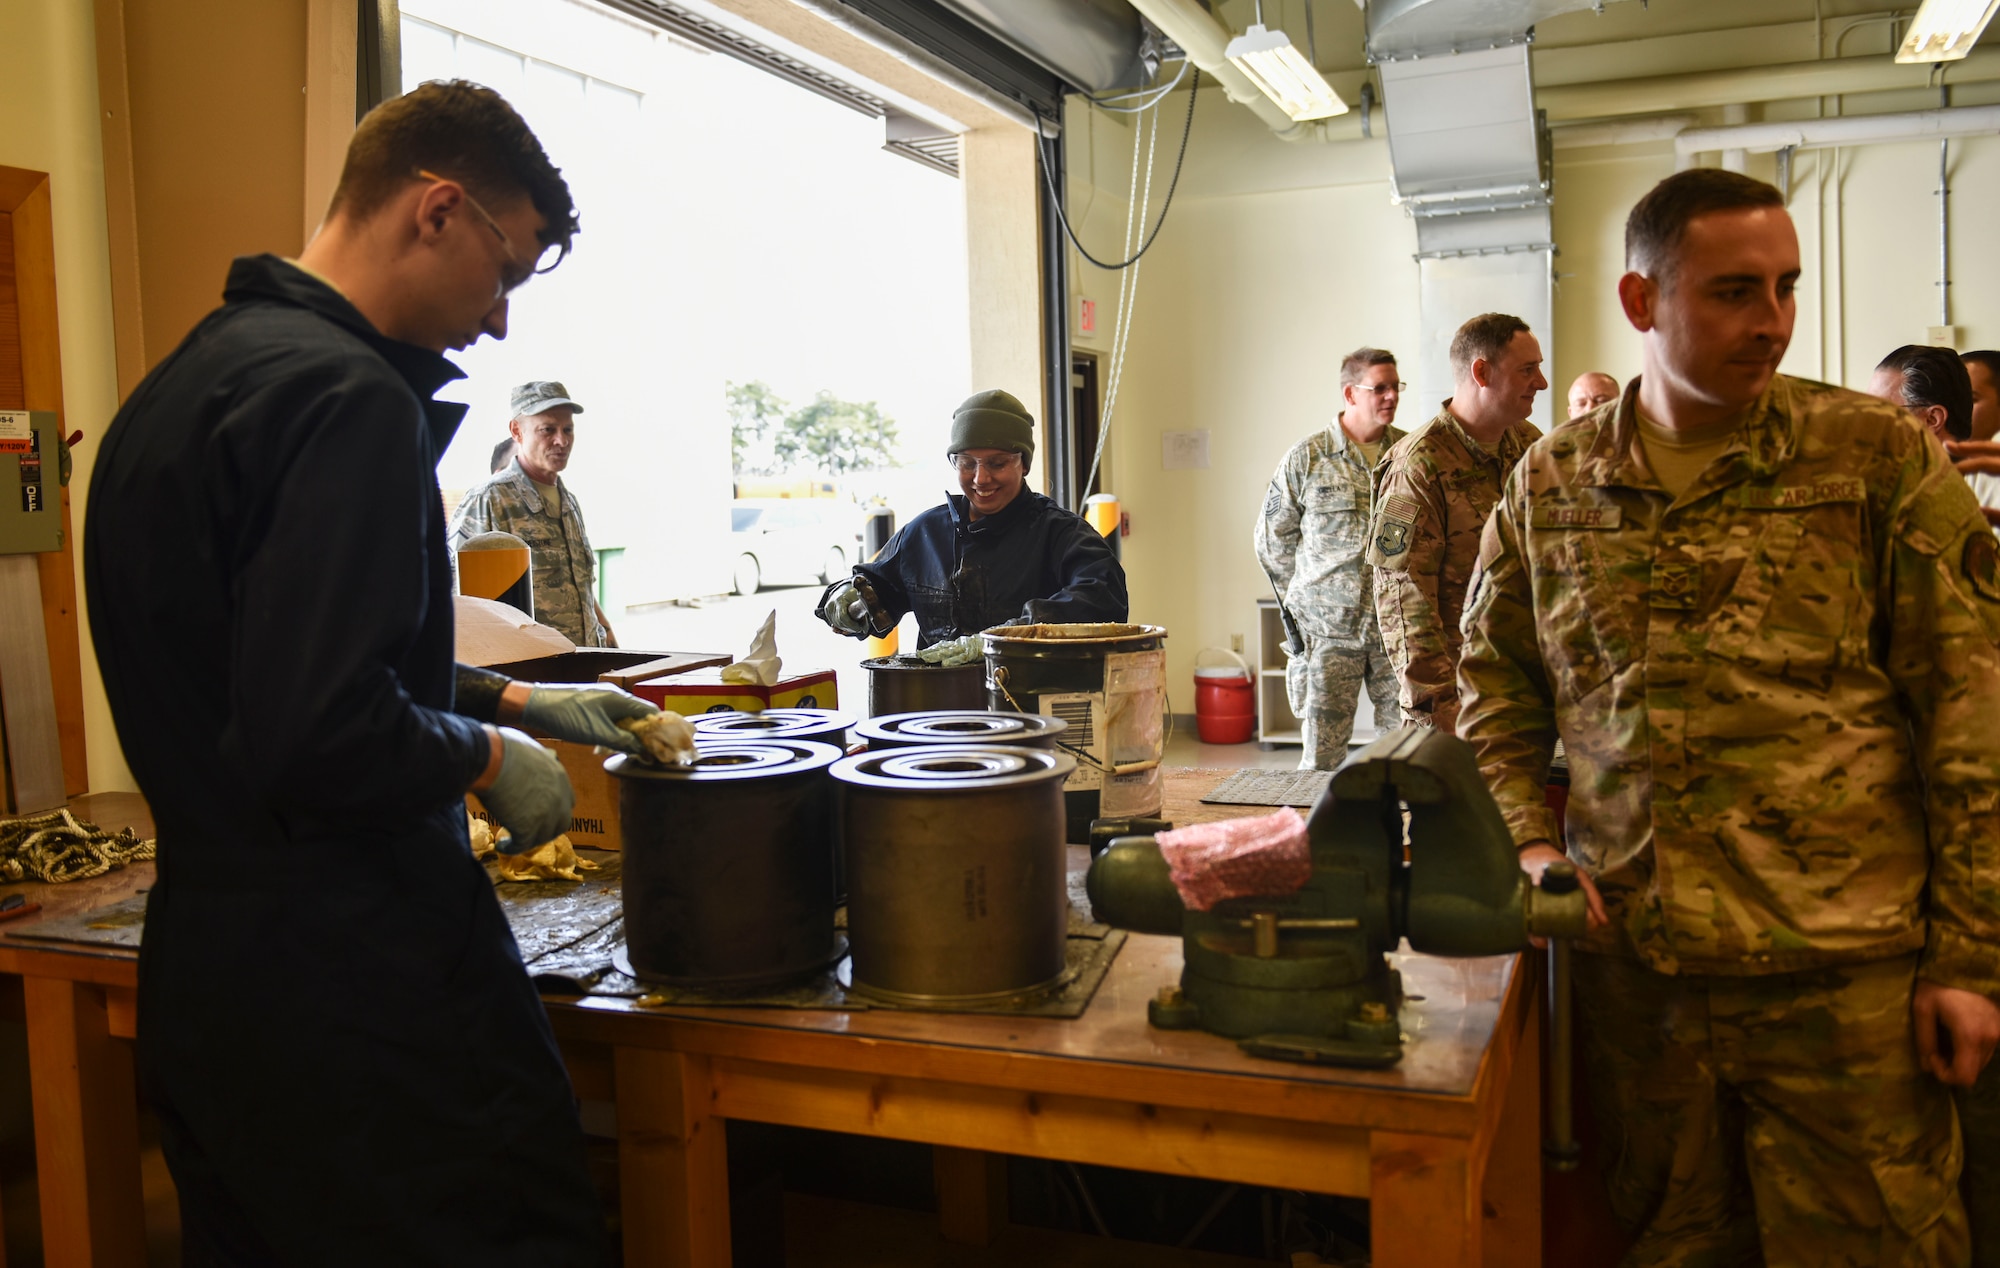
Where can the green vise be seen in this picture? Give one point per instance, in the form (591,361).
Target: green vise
(1304,976)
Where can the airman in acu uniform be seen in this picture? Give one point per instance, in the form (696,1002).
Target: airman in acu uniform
(1310,538)
(1763,615)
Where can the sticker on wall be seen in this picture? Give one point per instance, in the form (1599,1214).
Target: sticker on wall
(1184,450)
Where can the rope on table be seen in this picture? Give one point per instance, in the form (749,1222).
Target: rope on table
(58,847)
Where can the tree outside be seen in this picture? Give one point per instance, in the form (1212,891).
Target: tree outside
(825,435)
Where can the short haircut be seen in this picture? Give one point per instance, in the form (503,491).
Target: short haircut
(1659,222)
(1362,360)
(1485,337)
(456,129)
(503,453)
(1935,376)
(1986,357)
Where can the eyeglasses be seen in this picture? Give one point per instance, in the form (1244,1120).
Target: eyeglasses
(1398,387)
(995,466)
(551,254)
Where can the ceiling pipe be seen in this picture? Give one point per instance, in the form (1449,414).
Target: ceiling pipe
(1624,131)
(1833,77)
(1867,129)
(1204,40)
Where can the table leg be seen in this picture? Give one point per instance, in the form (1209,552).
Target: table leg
(972,1194)
(1423,1211)
(673,1161)
(1512,1185)
(86,1106)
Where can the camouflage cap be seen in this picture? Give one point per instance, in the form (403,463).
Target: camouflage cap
(541,396)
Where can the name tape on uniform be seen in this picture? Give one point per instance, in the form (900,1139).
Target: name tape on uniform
(1781,499)
(1543,515)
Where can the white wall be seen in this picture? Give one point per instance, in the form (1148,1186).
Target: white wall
(1278,259)
(48,123)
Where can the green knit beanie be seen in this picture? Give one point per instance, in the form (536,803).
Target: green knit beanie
(993,420)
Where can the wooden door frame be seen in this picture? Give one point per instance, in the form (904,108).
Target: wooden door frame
(24,197)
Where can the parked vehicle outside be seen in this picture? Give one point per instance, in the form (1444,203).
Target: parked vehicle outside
(793,541)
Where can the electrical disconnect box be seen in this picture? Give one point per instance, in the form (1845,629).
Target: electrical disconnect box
(30,482)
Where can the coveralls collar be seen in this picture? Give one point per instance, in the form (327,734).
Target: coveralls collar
(998,522)
(274,279)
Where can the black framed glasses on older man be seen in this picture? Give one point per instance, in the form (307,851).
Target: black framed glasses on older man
(551,254)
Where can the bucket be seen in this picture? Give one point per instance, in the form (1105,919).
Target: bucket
(904,684)
(812,726)
(1109,683)
(1225,704)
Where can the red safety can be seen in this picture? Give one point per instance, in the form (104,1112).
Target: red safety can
(1225,705)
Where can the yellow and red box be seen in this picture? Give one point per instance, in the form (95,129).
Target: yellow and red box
(704,691)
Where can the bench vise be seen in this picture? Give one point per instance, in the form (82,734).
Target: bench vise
(1304,976)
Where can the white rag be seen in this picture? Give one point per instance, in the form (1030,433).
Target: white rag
(762,664)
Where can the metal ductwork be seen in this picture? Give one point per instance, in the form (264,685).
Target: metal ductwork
(1470,157)
(1094,44)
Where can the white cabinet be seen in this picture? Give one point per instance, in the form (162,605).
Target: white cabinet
(1276,723)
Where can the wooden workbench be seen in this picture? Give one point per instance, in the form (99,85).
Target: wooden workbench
(1445,1145)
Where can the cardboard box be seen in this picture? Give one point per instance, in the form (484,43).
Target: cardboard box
(594,819)
(703,691)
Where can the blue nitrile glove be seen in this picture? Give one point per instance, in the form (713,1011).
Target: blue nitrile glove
(846,611)
(587,713)
(950,653)
(530,796)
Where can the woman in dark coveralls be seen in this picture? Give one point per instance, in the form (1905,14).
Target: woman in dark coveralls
(349,1063)
(996,553)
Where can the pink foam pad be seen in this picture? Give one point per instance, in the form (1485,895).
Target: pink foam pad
(1238,858)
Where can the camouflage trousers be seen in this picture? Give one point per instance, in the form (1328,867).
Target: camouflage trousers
(1979,1122)
(1323,684)
(1777,1120)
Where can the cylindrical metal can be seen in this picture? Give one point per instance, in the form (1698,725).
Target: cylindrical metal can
(904,684)
(957,891)
(961,726)
(728,864)
(812,726)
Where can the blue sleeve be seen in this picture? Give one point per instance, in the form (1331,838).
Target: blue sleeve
(1092,580)
(330,595)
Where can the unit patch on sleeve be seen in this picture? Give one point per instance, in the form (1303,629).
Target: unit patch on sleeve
(1981,562)
(1393,524)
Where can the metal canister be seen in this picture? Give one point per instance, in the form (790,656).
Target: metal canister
(728,864)
(961,726)
(812,726)
(904,684)
(957,891)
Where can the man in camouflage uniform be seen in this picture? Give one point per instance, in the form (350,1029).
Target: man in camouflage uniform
(529,500)
(1309,539)
(1761,614)
(1432,493)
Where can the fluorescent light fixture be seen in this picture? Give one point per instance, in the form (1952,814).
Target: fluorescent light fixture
(1283,74)
(1946,30)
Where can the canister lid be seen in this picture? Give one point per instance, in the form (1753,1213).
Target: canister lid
(734,760)
(944,768)
(961,726)
(771,724)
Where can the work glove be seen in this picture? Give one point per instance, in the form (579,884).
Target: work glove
(845,610)
(530,796)
(588,713)
(953,652)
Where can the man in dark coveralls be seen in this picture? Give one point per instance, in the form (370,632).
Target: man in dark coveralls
(349,1064)
(996,553)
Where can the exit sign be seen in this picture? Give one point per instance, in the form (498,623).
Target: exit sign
(1086,316)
